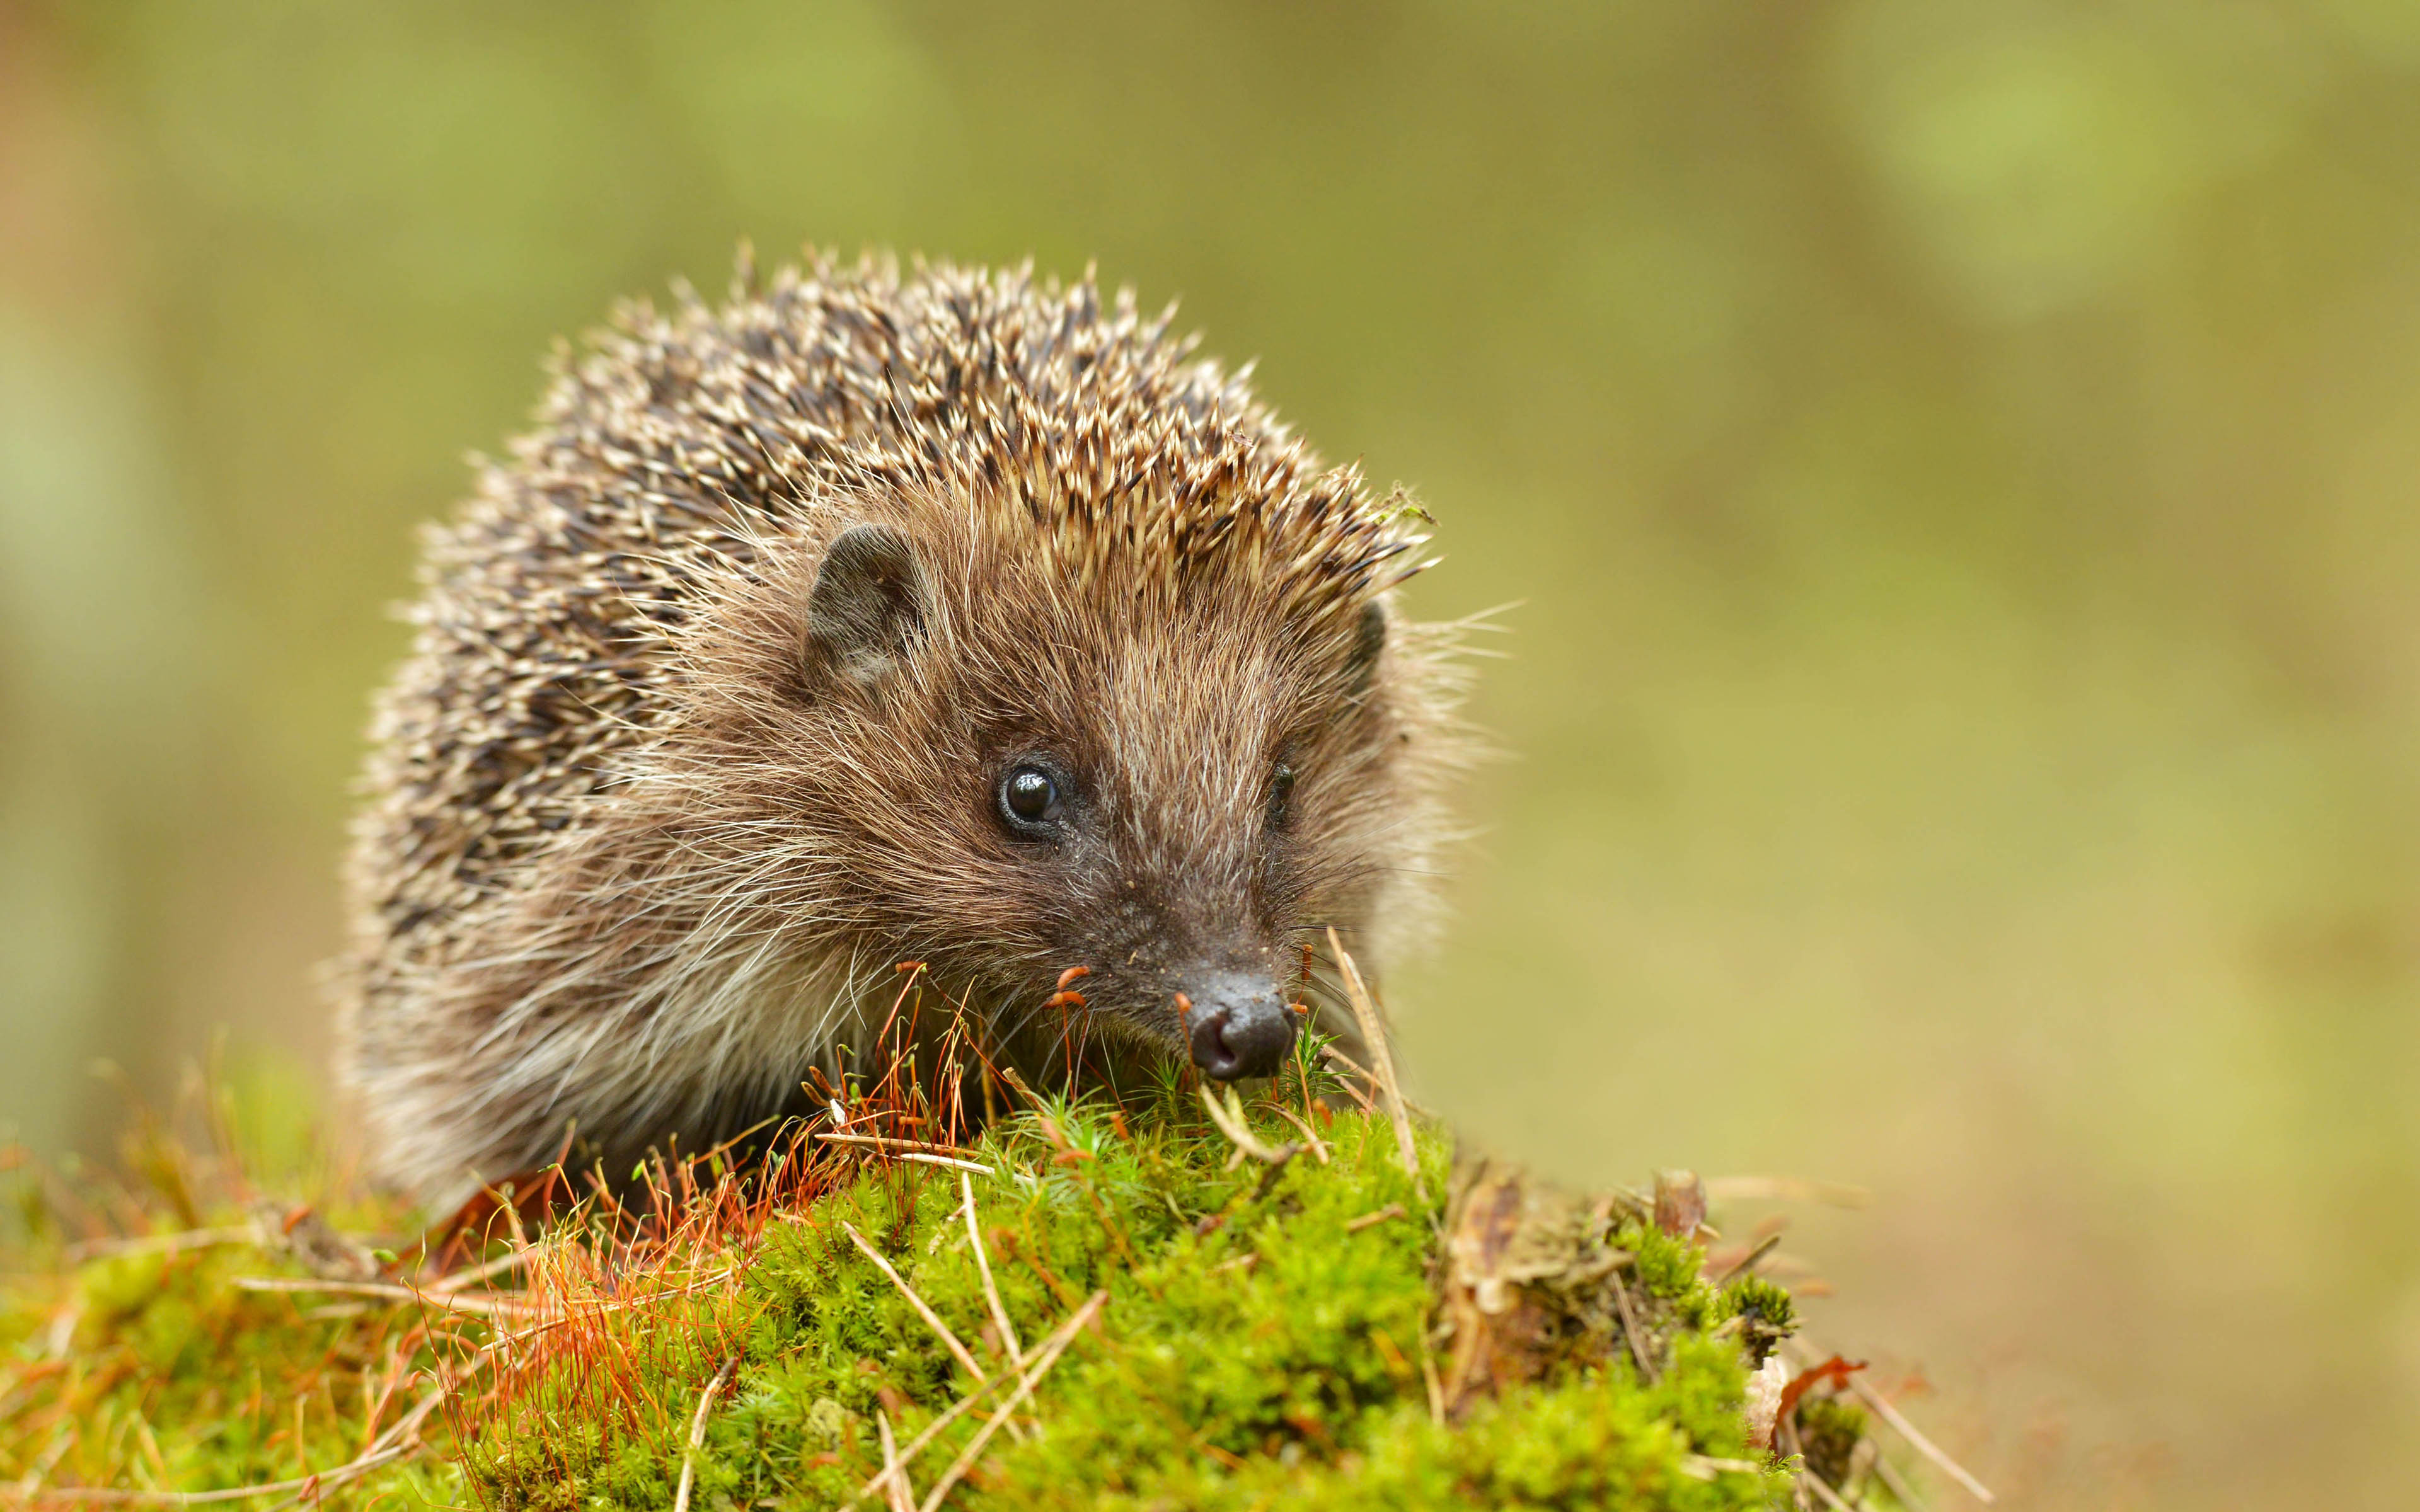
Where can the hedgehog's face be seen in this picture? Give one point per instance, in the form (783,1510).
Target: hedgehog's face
(1122,816)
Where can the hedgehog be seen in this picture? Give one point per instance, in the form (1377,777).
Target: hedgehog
(942,616)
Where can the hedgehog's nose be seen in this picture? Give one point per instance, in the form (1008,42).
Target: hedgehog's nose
(1237,1026)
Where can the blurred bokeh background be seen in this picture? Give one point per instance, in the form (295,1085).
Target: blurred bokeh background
(1957,459)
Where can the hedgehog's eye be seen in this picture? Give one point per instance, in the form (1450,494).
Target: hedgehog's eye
(1030,799)
(1281,796)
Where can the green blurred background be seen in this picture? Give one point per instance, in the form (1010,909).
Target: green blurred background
(1957,459)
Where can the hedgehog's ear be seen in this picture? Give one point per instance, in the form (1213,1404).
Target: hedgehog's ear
(869,604)
(1369,643)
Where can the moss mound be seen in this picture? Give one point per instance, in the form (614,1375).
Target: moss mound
(1140,1310)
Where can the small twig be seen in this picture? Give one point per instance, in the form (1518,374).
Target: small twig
(1374,1032)
(1831,1498)
(697,1431)
(1371,1220)
(896,1490)
(933,1429)
(1859,1472)
(1747,1262)
(983,1269)
(1898,1484)
(932,1318)
(477,1306)
(1008,1074)
(1630,1330)
(1051,1348)
(1241,1262)
(93,1249)
(1884,1410)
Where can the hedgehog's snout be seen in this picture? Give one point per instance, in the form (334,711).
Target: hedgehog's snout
(1237,1026)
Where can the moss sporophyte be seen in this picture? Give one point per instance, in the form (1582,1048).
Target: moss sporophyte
(1155,1304)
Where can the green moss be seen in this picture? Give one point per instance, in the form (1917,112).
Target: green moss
(1265,1338)
(152,1368)
(1257,1346)
(1766,1313)
(1666,1267)
(1829,1431)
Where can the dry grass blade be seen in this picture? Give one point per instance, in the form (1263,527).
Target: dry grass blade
(1046,1357)
(1896,1485)
(476,1306)
(697,1431)
(955,1163)
(983,1269)
(1317,1147)
(895,1144)
(181,1239)
(1369,1220)
(301,1485)
(1374,1033)
(928,1154)
(1355,1075)
(1952,1468)
(1236,1127)
(932,1320)
(895,1486)
(1706,1467)
(934,1430)
(1630,1330)
(1830,1497)
(1881,1407)
(400,1442)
